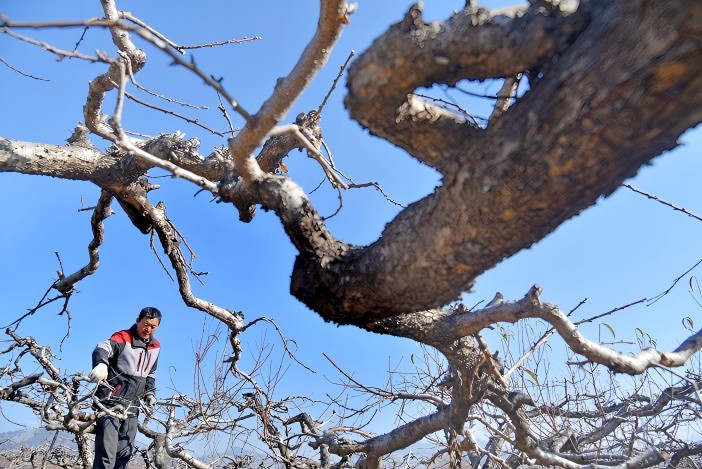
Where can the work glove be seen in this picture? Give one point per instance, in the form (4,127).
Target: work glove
(150,401)
(99,373)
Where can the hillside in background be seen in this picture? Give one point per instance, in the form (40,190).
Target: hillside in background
(32,438)
(16,447)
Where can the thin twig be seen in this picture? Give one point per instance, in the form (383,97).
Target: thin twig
(338,76)
(385,394)
(282,338)
(174,114)
(661,201)
(222,43)
(144,33)
(618,308)
(675,282)
(166,98)
(21,72)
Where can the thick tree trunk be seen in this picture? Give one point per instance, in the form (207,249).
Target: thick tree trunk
(616,84)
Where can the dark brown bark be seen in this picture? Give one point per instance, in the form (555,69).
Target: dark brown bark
(618,84)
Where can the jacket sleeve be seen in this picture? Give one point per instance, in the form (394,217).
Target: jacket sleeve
(104,351)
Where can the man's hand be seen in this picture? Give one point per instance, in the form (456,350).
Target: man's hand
(150,400)
(99,373)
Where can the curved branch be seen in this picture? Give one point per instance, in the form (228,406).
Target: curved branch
(588,124)
(135,59)
(171,247)
(414,54)
(101,212)
(531,306)
(287,90)
(399,438)
(440,327)
(175,451)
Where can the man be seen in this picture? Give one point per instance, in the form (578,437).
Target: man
(124,366)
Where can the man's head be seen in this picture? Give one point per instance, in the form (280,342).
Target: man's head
(147,322)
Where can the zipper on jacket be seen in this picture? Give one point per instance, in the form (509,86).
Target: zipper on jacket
(148,360)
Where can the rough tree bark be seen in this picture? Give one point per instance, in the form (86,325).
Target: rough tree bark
(613,85)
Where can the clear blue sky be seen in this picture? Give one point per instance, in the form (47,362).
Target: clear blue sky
(623,249)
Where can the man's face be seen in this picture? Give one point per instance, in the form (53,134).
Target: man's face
(146,327)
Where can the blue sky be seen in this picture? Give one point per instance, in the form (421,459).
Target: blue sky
(623,249)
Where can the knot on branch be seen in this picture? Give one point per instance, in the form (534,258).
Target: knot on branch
(236,193)
(533,296)
(131,201)
(329,439)
(277,147)
(174,148)
(413,18)
(79,137)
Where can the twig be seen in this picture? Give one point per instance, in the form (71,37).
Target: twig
(175,114)
(100,57)
(144,33)
(387,395)
(165,98)
(619,308)
(21,72)
(221,107)
(129,17)
(153,248)
(668,204)
(354,185)
(43,302)
(222,43)
(282,338)
(338,76)
(450,104)
(661,295)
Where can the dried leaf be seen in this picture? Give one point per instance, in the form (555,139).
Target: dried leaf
(534,376)
(610,329)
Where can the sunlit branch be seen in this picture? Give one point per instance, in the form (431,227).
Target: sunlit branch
(288,89)
(531,306)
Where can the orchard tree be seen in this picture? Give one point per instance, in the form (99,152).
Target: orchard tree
(606,87)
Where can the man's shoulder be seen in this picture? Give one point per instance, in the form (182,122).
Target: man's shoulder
(154,343)
(122,336)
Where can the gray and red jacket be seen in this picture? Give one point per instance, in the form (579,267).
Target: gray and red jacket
(131,366)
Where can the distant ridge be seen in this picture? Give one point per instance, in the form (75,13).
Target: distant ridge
(33,437)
